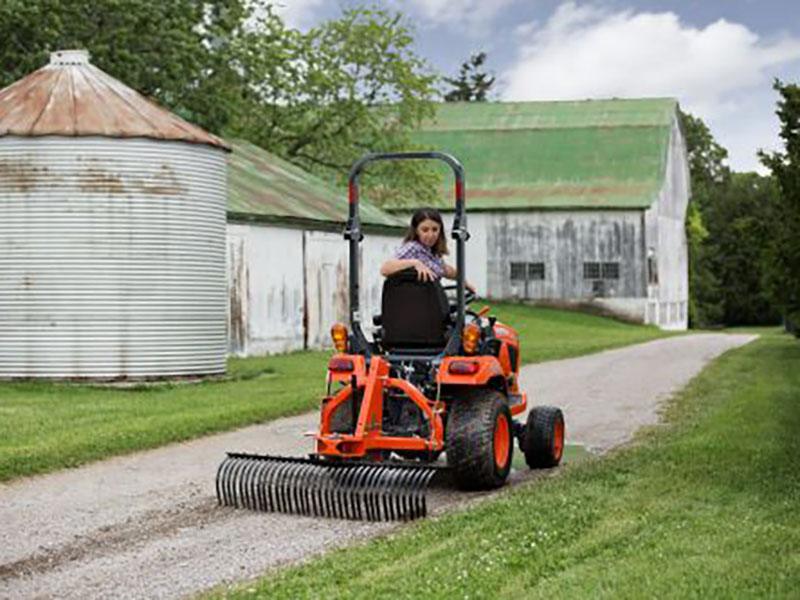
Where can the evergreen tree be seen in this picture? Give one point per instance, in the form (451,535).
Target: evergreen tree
(472,83)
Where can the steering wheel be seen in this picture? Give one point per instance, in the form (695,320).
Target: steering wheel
(469,296)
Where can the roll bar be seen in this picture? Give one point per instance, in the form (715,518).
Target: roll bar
(353,233)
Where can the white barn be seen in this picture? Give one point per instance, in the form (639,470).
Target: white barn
(574,203)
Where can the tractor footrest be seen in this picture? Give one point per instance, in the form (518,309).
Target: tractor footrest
(316,487)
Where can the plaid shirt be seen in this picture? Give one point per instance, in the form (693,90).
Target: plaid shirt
(421,252)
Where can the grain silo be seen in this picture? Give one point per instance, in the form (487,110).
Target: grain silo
(112,231)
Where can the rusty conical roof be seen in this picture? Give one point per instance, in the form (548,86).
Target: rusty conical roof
(71,97)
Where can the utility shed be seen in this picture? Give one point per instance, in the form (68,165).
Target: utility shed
(112,231)
(287,258)
(574,202)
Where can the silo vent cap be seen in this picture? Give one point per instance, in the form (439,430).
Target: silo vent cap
(69,57)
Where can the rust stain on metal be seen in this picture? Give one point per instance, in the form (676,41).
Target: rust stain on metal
(19,175)
(98,180)
(71,97)
(164,183)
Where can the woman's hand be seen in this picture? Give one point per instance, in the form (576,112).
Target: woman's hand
(470,287)
(423,272)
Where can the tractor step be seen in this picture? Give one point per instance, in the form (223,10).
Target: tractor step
(364,491)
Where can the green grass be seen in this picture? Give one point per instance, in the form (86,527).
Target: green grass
(549,334)
(47,426)
(704,508)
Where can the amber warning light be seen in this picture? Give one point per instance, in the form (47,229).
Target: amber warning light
(339,335)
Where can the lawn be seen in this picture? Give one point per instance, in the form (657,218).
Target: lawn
(549,334)
(47,426)
(705,507)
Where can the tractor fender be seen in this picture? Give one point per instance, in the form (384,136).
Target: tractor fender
(338,368)
(487,371)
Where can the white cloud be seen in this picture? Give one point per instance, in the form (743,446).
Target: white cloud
(583,51)
(442,11)
(472,17)
(298,13)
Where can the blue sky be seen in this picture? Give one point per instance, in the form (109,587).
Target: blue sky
(718,57)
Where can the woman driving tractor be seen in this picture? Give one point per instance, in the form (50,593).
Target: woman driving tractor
(423,249)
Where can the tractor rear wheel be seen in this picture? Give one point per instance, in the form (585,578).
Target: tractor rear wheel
(543,442)
(480,439)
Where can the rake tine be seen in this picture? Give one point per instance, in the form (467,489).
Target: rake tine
(236,482)
(225,479)
(295,492)
(371,478)
(273,472)
(354,506)
(250,486)
(263,471)
(394,481)
(306,490)
(220,478)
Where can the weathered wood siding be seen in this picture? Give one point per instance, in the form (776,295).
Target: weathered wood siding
(327,281)
(265,289)
(288,286)
(563,241)
(668,288)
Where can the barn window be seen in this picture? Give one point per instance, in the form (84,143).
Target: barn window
(536,270)
(597,270)
(591,270)
(610,270)
(518,271)
(521,271)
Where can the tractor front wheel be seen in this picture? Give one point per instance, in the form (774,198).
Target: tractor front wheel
(543,442)
(480,439)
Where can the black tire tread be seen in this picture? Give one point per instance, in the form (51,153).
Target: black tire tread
(470,439)
(538,439)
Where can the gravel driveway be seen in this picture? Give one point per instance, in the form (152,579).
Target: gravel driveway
(147,525)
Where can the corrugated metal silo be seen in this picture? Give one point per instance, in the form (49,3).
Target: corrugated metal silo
(112,231)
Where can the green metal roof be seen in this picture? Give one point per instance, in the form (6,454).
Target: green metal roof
(581,154)
(262,186)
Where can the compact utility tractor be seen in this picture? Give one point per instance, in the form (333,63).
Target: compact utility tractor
(436,378)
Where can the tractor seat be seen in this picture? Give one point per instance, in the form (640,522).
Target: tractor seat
(415,315)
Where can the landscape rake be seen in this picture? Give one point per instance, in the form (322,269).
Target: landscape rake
(311,487)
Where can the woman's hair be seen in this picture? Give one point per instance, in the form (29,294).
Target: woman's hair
(423,214)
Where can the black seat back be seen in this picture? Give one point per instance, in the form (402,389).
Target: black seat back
(414,314)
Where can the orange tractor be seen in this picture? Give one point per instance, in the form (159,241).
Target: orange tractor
(437,377)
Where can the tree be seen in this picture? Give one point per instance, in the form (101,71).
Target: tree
(472,83)
(708,177)
(739,223)
(349,86)
(783,252)
(171,51)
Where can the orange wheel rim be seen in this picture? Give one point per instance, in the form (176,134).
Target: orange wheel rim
(502,441)
(558,439)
